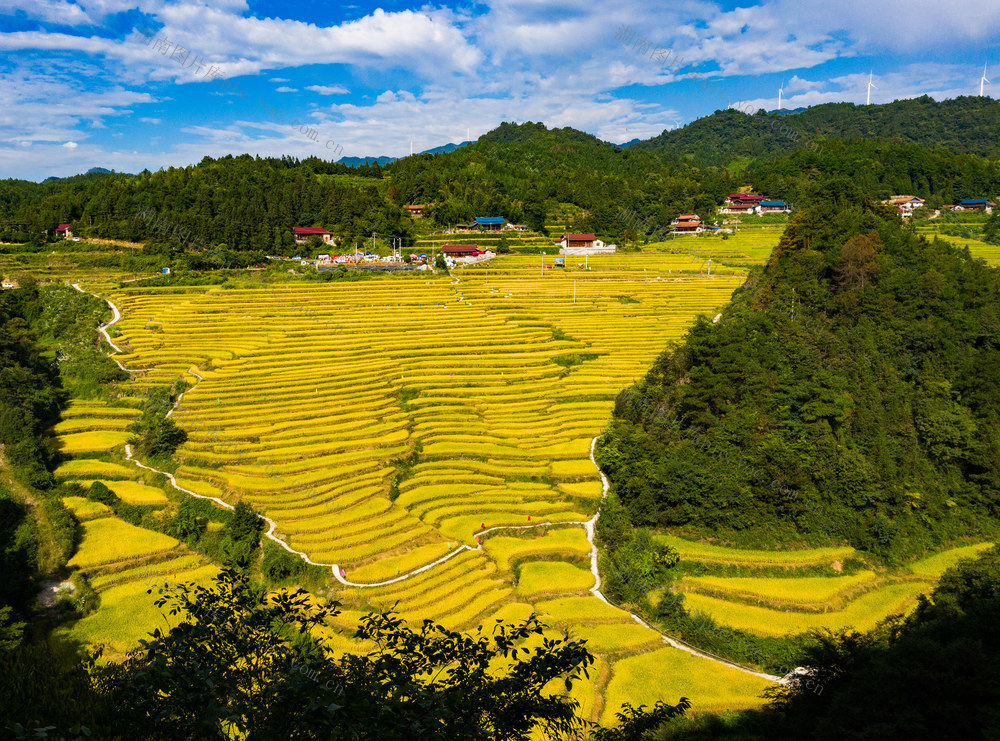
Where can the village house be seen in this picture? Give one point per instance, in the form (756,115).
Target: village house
(905,205)
(741,203)
(583,244)
(63,231)
(487,223)
(974,204)
(466,253)
(416,210)
(738,208)
(302,234)
(774,207)
(687,224)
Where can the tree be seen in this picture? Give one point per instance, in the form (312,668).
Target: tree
(991,232)
(242,535)
(154,434)
(857,261)
(246,664)
(186,523)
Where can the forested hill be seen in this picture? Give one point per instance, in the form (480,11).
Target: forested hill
(517,170)
(248,203)
(848,393)
(965,125)
(881,169)
(521,172)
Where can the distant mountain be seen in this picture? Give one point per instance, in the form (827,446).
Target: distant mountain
(89,174)
(628,144)
(965,125)
(450,147)
(384,160)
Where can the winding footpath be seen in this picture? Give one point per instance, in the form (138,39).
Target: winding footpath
(589,526)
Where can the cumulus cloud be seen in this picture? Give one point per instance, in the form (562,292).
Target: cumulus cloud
(286,89)
(328,89)
(71,145)
(150,120)
(52,11)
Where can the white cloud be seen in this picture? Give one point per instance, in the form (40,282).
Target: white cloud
(286,89)
(150,120)
(52,11)
(279,79)
(328,89)
(939,81)
(71,145)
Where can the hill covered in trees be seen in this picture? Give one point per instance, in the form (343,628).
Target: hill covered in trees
(965,125)
(524,172)
(848,392)
(881,169)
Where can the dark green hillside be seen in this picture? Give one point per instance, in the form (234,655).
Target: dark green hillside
(245,202)
(881,169)
(519,171)
(965,125)
(849,392)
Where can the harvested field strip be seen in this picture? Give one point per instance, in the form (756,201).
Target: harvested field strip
(109,539)
(132,492)
(862,613)
(552,577)
(801,592)
(559,541)
(934,566)
(669,674)
(692,551)
(89,468)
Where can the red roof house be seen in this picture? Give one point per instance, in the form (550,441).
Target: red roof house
(461,250)
(687,223)
(302,233)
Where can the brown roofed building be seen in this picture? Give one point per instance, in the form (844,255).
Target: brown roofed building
(461,250)
(302,234)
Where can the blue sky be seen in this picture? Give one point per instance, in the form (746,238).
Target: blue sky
(81,87)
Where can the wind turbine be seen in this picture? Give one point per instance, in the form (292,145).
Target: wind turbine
(982,81)
(780,91)
(870,86)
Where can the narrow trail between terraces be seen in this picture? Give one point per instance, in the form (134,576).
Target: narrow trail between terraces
(588,525)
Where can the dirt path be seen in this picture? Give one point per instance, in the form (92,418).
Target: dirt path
(589,526)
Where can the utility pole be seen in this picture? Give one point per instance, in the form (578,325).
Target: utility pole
(373,243)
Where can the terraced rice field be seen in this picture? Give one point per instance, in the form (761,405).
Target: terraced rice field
(490,388)
(690,550)
(383,424)
(862,613)
(778,606)
(125,612)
